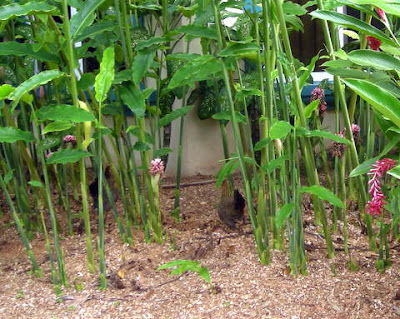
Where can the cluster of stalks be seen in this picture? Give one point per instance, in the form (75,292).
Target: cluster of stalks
(58,120)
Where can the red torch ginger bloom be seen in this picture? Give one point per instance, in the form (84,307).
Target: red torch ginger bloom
(374,43)
(376,205)
(69,139)
(156,167)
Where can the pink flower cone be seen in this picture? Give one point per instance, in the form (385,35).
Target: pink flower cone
(156,167)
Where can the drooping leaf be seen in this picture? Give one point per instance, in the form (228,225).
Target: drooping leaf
(26,49)
(199,31)
(57,126)
(226,116)
(32,83)
(229,167)
(49,142)
(395,172)
(141,146)
(306,74)
(323,134)
(364,167)
(34,7)
(5,91)
(162,152)
(274,164)
(174,115)
(262,143)
(324,194)
(140,64)
(283,214)
(104,79)
(35,183)
(310,108)
(381,100)
(95,29)
(195,70)
(64,113)
(133,98)
(11,134)
(65,156)
(280,129)
(352,23)
(240,49)
(375,59)
(84,17)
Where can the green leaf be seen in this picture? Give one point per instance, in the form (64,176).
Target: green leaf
(49,142)
(262,143)
(56,127)
(381,100)
(364,167)
(293,8)
(338,64)
(16,10)
(86,81)
(5,91)
(352,23)
(229,167)
(162,152)
(205,274)
(240,49)
(375,59)
(395,172)
(283,214)
(141,146)
(26,49)
(324,194)
(122,76)
(133,98)
(64,113)
(310,108)
(11,134)
(95,29)
(32,83)
(274,164)
(35,183)
(174,115)
(226,116)
(141,63)
(280,129)
(199,31)
(84,17)
(9,176)
(323,134)
(195,70)
(104,79)
(65,156)
(306,74)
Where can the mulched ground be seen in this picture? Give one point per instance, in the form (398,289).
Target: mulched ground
(243,288)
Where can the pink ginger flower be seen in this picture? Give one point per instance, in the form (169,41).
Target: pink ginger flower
(374,43)
(319,93)
(376,205)
(356,132)
(381,15)
(156,167)
(338,148)
(69,139)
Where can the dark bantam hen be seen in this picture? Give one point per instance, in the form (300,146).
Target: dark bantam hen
(231,206)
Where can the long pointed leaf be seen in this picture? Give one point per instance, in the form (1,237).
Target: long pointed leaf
(84,17)
(324,194)
(11,135)
(16,10)
(104,79)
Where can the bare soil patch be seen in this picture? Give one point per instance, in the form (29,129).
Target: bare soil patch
(243,287)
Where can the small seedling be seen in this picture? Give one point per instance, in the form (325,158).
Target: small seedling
(71,308)
(182,266)
(20,294)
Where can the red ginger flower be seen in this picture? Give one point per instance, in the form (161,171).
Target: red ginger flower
(376,205)
(381,14)
(69,139)
(374,43)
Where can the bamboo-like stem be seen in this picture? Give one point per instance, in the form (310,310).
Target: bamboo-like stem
(305,143)
(82,167)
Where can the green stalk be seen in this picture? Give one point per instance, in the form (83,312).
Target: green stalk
(305,143)
(347,122)
(36,269)
(261,243)
(82,167)
(101,249)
